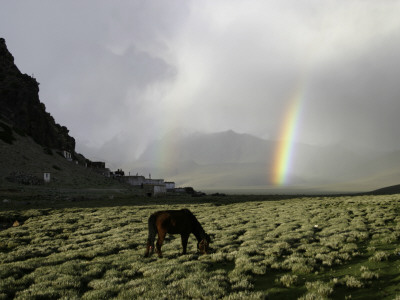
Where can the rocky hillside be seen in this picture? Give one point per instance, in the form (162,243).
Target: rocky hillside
(22,109)
(32,143)
(24,162)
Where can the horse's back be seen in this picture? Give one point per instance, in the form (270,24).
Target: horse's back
(181,213)
(186,211)
(174,221)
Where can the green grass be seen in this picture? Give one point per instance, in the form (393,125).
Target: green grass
(300,248)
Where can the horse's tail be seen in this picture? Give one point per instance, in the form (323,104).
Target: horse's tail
(152,230)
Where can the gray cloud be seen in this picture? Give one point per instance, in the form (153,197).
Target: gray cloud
(97,62)
(125,73)
(358,97)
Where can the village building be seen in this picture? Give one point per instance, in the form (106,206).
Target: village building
(46,177)
(154,190)
(98,167)
(170,186)
(67,155)
(134,180)
(96,164)
(106,172)
(151,187)
(139,181)
(154,181)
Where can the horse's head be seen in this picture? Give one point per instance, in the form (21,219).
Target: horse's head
(203,245)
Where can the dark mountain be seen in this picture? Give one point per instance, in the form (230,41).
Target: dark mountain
(394,189)
(22,109)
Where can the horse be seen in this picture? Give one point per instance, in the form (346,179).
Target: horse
(181,222)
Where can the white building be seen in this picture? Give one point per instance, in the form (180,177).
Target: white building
(134,180)
(153,190)
(46,177)
(141,180)
(169,185)
(67,155)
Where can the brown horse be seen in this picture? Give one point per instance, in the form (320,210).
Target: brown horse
(173,222)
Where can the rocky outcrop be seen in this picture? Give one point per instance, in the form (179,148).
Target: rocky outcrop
(21,107)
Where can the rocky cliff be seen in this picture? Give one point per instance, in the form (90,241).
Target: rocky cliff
(21,106)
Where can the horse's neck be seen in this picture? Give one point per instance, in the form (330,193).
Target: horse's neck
(198,231)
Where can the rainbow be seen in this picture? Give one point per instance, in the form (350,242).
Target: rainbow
(285,145)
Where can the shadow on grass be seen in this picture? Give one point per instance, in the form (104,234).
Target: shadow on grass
(387,286)
(227,266)
(268,283)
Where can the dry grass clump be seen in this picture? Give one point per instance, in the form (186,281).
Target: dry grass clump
(368,274)
(318,290)
(380,256)
(288,280)
(352,282)
(245,295)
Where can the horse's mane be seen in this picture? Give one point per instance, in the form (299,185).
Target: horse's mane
(197,226)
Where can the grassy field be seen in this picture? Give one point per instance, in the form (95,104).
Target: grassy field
(300,248)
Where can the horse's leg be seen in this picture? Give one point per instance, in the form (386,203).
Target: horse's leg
(151,237)
(184,238)
(160,240)
(149,248)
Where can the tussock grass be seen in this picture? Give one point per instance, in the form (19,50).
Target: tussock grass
(288,280)
(308,248)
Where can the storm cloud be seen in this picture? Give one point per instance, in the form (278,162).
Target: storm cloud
(120,75)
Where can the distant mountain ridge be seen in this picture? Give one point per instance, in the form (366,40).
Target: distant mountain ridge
(232,160)
(220,147)
(390,190)
(22,109)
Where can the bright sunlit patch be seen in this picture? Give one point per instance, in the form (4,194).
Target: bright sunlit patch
(284,151)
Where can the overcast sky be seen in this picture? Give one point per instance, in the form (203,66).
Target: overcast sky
(126,72)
